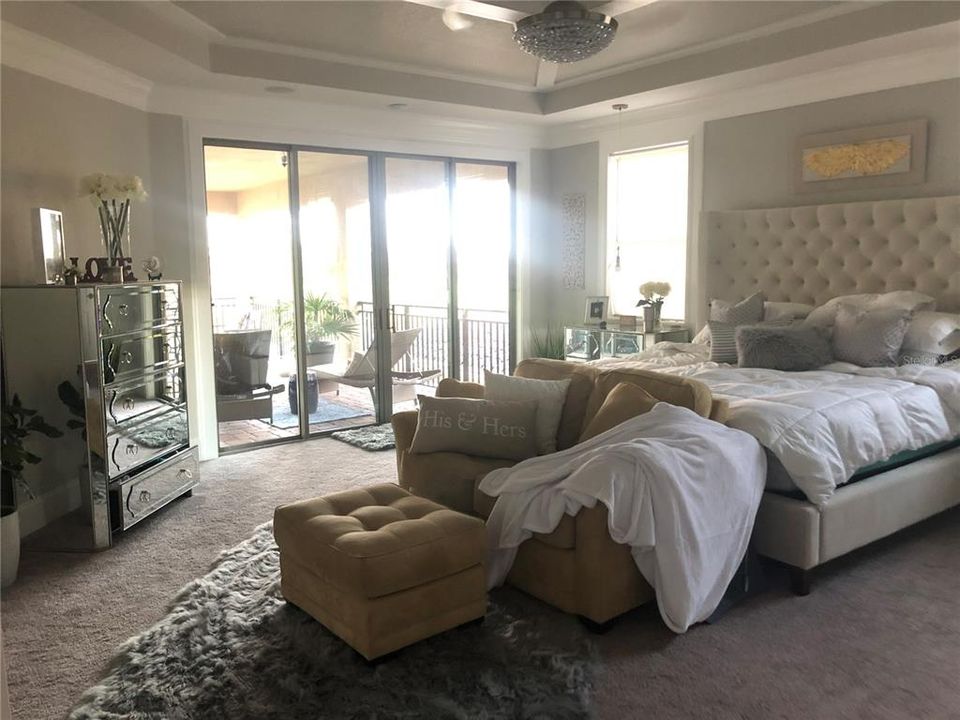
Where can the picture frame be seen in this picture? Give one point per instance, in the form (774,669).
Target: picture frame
(48,231)
(595,309)
(877,156)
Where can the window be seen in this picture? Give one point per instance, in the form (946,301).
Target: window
(647,226)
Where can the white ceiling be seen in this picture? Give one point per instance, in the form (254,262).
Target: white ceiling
(387,51)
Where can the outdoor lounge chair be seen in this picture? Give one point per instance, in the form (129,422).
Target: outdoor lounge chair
(362,371)
(240,369)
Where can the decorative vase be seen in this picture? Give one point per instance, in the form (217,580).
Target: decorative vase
(651,317)
(115,230)
(9,547)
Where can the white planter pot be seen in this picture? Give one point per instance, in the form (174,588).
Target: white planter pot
(9,548)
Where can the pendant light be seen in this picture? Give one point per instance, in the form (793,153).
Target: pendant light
(619,107)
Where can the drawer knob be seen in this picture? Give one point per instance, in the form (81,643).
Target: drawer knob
(123,309)
(127,403)
(185,473)
(131,449)
(126,357)
(144,496)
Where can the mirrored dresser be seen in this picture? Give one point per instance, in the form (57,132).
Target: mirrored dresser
(110,358)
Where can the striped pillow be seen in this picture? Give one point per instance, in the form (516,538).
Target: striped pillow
(723,342)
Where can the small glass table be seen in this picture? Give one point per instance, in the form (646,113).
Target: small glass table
(583,343)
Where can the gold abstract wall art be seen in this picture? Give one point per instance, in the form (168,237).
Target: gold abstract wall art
(878,156)
(874,157)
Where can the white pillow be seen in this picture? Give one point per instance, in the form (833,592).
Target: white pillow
(826,314)
(933,332)
(549,394)
(786,311)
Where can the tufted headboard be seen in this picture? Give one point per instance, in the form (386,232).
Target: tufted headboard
(811,254)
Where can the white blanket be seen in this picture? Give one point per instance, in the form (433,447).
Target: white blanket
(680,490)
(826,424)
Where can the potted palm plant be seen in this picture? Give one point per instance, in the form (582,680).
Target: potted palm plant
(18,423)
(325,321)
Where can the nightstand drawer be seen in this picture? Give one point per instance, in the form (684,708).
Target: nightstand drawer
(133,500)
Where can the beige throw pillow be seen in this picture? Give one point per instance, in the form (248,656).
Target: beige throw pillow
(484,428)
(550,396)
(869,338)
(624,402)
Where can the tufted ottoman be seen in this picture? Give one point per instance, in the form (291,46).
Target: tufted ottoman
(381,568)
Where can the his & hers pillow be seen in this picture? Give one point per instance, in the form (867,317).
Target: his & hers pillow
(485,428)
(549,395)
(869,337)
(791,347)
(937,333)
(624,402)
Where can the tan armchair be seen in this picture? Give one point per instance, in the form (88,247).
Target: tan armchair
(577,567)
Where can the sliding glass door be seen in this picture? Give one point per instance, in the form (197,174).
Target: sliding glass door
(418,252)
(345,284)
(336,267)
(252,290)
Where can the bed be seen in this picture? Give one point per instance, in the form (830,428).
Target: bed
(886,470)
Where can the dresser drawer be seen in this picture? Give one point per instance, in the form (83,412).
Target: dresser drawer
(134,499)
(137,400)
(127,357)
(130,446)
(124,309)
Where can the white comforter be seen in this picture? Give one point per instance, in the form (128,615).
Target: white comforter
(681,491)
(826,424)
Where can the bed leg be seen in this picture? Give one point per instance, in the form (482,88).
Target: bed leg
(800,581)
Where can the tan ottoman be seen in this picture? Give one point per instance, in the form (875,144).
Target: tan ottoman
(381,568)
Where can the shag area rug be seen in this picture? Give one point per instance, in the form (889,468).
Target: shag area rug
(231,647)
(375,437)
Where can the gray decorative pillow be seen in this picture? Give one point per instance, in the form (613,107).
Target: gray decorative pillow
(485,428)
(745,312)
(869,337)
(793,347)
(550,396)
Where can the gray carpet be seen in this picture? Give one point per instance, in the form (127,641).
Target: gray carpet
(261,658)
(878,638)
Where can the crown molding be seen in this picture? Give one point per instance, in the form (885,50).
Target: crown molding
(917,57)
(809,18)
(38,55)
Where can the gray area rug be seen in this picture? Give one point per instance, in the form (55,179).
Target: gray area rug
(231,647)
(375,437)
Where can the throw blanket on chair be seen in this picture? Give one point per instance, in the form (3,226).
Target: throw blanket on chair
(682,491)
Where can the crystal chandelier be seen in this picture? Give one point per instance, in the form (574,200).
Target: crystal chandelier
(565,32)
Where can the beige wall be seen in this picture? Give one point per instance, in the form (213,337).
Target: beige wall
(555,173)
(748,159)
(51,136)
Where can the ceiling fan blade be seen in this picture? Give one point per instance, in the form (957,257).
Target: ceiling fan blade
(621,7)
(474,8)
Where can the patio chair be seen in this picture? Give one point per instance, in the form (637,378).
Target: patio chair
(240,360)
(362,371)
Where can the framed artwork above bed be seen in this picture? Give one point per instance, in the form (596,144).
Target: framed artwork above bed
(867,157)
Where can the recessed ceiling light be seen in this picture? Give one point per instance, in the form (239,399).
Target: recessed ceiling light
(279,89)
(398,106)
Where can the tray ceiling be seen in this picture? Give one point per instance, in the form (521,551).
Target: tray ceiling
(403,50)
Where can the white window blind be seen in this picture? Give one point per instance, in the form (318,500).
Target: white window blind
(647,226)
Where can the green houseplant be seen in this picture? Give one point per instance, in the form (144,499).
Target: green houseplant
(18,423)
(325,321)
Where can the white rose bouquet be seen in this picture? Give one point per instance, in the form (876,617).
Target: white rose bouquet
(653,293)
(111,195)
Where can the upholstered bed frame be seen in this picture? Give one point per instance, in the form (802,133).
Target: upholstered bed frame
(809,255)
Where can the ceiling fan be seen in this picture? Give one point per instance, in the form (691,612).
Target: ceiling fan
(564,31)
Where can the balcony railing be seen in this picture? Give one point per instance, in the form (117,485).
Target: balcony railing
(484,334)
